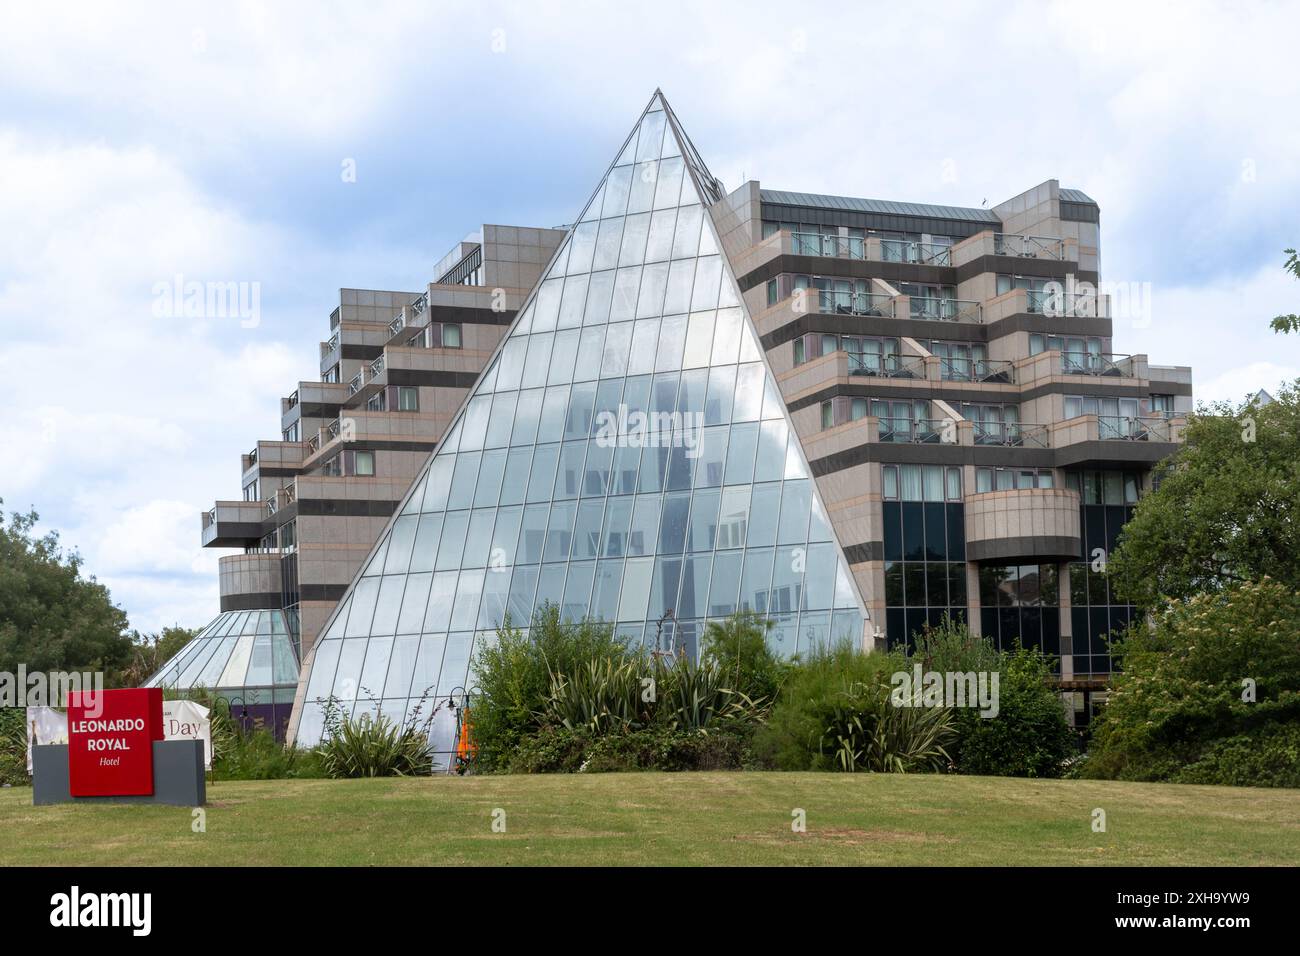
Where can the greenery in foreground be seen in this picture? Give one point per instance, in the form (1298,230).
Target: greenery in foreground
(1209,694)
(671,819)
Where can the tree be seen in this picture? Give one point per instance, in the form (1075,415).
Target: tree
(51,617)
(1289,323)
(1225,510)
(1210,693)
(149,652)
(739,645)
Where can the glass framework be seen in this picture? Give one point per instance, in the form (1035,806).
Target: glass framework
(247,656)
(626,455)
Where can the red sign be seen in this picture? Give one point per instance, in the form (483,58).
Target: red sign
(110,741)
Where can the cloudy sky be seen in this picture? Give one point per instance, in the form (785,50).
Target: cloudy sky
(146,142)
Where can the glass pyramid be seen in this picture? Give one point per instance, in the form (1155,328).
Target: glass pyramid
(626,455)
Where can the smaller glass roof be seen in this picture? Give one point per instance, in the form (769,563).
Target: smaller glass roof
(237,651)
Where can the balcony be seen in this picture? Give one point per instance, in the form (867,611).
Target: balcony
(232,524)
(1011,434)
(1148,428)
(832,246)
(977,370)
(398,323)
(889,365)
(853,303)
(1023,523)
(1063,304)
(934,309)
(1099,364)
(918,431)
(1028,247)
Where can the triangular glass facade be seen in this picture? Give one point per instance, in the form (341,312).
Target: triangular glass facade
(626,455)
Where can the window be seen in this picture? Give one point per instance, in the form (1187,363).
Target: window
(450,335)
(1005,479)
(363,463)
(408,398)
(250,491)
(828,415)
(377,402)
(799,352)
(332,375)
(1162,405)
(291,433)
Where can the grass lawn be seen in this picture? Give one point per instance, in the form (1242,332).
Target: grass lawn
(685,818)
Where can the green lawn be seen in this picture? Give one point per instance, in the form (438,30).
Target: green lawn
(685,818)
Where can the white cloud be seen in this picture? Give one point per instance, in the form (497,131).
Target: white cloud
(144,142)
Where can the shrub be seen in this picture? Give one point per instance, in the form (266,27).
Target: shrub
(562,750)
(739,645)
(1210,690)
(867,730)
(791,739)
(13,747)
(1029,737)
(514,676)
(1269,757)
(372,746)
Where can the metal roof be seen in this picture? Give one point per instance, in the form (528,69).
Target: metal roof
(881,206)
(1076,195)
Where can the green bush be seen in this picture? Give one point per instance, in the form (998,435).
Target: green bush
(1029,737)
(1182,707)
(792,737)
(513,675)
(562,750)
(739,645)
(1269,757)
(13,747)
(372,746)
(868,730)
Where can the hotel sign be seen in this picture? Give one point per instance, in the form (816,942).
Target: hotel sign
(110,741)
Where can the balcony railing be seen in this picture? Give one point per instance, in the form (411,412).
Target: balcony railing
(977,370)
(825,244)
(358,380)
(855,303)
(1053,303)
(936,309)
(1094,363)
(335,316)
(332,430)
(925,253)
(313,444)
(419,305)
(889,365)
(1028,247)
(398,323)
(1016,434)
(915,430)
(293,399)
(377,367)
(1124,428)
(331,345)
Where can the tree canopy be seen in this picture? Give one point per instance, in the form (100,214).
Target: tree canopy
(51,616)
(1225,510)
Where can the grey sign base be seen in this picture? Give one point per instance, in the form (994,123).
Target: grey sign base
(177,776)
